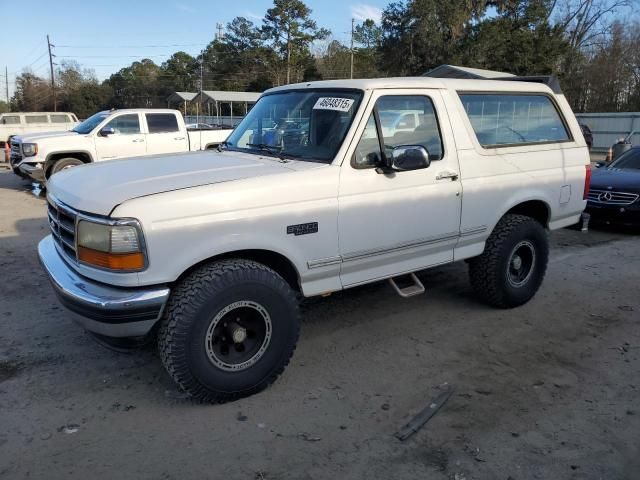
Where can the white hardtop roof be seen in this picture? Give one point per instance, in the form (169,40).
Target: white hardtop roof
(421,82)
(454,71)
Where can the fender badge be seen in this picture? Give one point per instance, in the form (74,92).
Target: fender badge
(302,228)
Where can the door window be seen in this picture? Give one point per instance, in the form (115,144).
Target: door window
(162,122)
(125,124)
(404,120)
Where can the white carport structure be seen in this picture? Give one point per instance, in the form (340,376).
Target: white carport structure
(453,71)
(218,97)
(181,97)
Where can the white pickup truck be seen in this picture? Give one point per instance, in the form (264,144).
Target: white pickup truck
(311,195)
(106,136)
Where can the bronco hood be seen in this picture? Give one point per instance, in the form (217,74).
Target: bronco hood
(99,187)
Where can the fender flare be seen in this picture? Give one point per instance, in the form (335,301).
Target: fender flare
(48,162)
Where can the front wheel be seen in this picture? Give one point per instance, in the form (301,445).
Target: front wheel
(229,330)
(63,164)
(510,270)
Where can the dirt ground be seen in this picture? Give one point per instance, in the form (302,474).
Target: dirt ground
(546,391)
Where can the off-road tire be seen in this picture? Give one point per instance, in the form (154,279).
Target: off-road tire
(488,272)
(64,163)
(193,304)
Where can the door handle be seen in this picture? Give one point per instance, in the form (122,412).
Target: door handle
(178,138)
(138,140)
(447,174)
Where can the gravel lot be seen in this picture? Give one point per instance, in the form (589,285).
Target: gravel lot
(546,391)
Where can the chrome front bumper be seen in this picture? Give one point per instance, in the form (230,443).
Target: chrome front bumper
(100,308)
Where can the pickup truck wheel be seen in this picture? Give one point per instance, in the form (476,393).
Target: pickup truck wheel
(511,268)
(63,164)
(229,330)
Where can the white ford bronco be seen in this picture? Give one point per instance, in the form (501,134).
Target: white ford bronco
(311,194)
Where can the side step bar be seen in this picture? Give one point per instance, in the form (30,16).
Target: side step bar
(410,290)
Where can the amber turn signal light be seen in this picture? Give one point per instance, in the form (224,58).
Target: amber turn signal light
(112,261)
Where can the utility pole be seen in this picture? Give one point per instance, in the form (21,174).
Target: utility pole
(201,87)
(352,20)
(6,78)
(53,81)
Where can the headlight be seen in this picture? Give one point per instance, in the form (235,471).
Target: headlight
(113,247)
(29,149)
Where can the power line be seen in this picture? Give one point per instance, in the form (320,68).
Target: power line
(119,56)
(136,46)
(36,59)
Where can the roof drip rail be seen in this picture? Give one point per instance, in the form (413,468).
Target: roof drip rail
(550,80)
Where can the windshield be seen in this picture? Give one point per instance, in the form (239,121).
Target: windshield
(90,123)
(304,125)
(629,160)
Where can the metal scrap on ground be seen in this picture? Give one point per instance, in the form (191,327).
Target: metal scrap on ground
(423,417)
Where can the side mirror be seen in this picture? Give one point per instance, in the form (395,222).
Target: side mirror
(106,131)
(409,157)
(600,164)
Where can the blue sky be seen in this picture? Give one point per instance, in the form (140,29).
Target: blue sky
(108,35)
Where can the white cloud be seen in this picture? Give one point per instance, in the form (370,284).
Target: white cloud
(362,12)
(185,8)
(252,16)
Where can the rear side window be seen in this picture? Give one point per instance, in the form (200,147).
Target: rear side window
(59,118)
(11,120)
(162,122)
(36,119)
(500,120)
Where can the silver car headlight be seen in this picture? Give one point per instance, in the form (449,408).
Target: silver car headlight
(29,149)
(115,246)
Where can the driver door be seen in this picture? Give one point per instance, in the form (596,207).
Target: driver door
(126,141)
(393,223)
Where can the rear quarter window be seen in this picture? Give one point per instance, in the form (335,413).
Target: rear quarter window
(162,122)
(514,119)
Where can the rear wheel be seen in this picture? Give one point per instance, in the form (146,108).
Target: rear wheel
(510,270)
(229,330)
(63,164)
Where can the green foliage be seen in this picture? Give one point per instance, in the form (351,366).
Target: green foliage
(4,107)
(596,59)
(519,40)
(289,31)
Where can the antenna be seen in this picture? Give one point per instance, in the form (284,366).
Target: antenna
(220,34)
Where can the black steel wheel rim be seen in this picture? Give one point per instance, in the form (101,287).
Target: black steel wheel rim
(521,263)
(238,336)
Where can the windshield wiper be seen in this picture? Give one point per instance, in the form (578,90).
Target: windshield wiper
(266,147)
(272,149)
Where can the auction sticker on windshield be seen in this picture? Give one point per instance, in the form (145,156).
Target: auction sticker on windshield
(334,103)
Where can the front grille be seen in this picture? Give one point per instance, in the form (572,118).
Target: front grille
(62,222)
(16,154)
(607,197)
